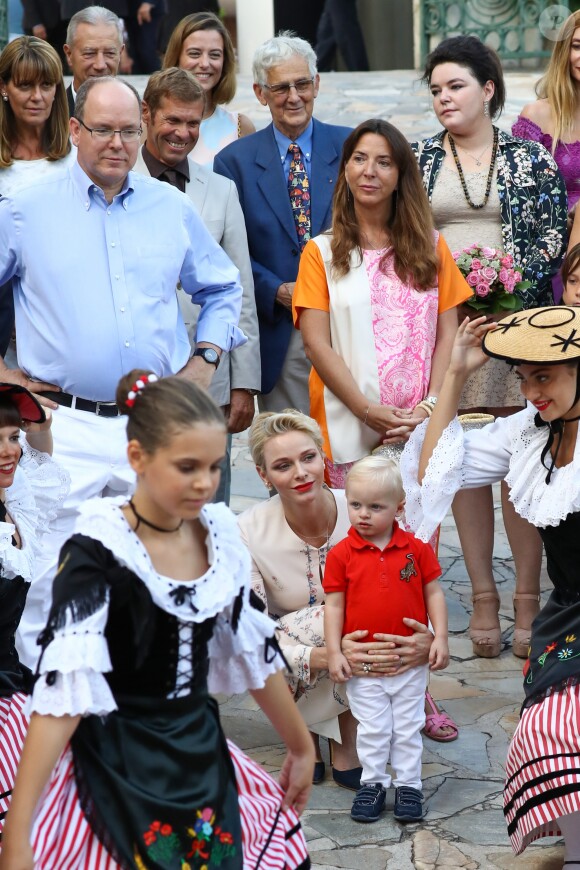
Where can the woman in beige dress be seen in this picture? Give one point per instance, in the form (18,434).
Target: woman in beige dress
(289,536)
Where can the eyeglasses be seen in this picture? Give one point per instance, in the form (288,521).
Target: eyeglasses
(106,135)
(302,86)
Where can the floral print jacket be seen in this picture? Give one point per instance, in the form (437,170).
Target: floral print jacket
(534,207)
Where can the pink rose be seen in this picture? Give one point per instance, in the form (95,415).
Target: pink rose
(504,275)
(517,276)
(456,254)
(510,285)
(482,289)
(473,279)
(488,274)
(475,264)
(507,261)
(489,253)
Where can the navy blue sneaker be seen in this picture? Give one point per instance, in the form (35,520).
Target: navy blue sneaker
(368,803)
(408,804)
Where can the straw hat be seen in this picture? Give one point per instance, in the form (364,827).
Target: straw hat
(538,336)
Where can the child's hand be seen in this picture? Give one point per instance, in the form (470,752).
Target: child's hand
(339,668)
(439,654)
(39,427)
(296,779)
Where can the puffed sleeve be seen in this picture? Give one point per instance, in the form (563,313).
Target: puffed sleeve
(75,657)
(461,460)
(243,650)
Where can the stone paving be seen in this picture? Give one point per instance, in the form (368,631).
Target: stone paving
(464,826)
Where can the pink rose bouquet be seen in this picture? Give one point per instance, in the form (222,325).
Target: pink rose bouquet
(492,277)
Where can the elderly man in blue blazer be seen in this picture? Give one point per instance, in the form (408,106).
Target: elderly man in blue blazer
(285,176)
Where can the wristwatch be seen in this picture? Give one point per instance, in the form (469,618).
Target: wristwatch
(431,400)
(209,355)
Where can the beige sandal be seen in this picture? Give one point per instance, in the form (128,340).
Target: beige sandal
(486,642)
(521,639)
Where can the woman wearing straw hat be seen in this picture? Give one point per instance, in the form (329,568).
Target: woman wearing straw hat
(536,452)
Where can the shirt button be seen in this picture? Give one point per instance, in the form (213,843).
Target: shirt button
(122,310)
(117,278)
(113,244)
(127,344)
(108,211)
(382,560)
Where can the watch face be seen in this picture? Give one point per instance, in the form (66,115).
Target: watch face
(209,355)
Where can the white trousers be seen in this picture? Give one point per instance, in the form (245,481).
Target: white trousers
(94,452)
(391,713)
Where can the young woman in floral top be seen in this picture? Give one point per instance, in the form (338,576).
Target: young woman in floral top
(489,188)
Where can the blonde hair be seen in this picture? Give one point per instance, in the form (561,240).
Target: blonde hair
(269,424)
(556,85)
(382,471)
(29,59)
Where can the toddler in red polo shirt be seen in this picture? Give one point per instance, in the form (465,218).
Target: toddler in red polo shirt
(373,578)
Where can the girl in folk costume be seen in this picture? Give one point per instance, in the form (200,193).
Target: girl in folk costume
(31,488)
(536,451)
(125,764)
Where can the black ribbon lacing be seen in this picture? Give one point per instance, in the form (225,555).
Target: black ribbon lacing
(555,429)
(182,594)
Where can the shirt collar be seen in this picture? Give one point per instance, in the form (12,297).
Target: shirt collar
(157,168)
(88,190)
(399,538)
(304,142)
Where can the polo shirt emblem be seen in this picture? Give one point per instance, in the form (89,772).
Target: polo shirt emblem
(409,570)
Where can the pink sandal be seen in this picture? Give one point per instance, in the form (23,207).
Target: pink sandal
(437,719)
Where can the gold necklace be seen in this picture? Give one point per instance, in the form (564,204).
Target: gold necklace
(374,246)
(324,533)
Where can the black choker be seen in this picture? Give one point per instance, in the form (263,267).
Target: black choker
(555,427)
(145,522)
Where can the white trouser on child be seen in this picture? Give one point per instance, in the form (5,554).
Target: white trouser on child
(391,713)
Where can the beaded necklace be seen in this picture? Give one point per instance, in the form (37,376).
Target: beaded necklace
(470,202)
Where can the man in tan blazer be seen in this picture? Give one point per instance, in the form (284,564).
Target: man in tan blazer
(173,106)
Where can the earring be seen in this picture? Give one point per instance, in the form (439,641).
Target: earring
(486,112)
(5,97)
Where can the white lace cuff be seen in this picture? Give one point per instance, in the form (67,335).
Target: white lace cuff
(81,693)
(427,504)
(71,651)
(242,660)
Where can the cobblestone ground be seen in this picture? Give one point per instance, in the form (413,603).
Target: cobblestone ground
(464,826)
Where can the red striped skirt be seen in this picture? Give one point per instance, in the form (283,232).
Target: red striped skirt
(62,839)
(543,768)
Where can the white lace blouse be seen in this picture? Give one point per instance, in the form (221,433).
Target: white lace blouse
(39,488)
(508,449)
(78,652)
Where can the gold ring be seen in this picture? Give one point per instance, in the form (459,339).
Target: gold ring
(367,668)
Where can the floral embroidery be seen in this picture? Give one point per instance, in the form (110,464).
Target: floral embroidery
(201,842)
(533,205)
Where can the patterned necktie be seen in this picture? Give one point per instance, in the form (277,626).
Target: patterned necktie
(299,190)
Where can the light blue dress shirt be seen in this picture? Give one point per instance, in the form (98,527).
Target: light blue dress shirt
(94,282)
(304,142)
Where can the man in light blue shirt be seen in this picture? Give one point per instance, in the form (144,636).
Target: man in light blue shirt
(95,256)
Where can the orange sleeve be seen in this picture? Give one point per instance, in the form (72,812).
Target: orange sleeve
(311,290)
(453,288)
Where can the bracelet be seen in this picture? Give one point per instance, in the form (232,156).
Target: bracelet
(427,407)
(366,415)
